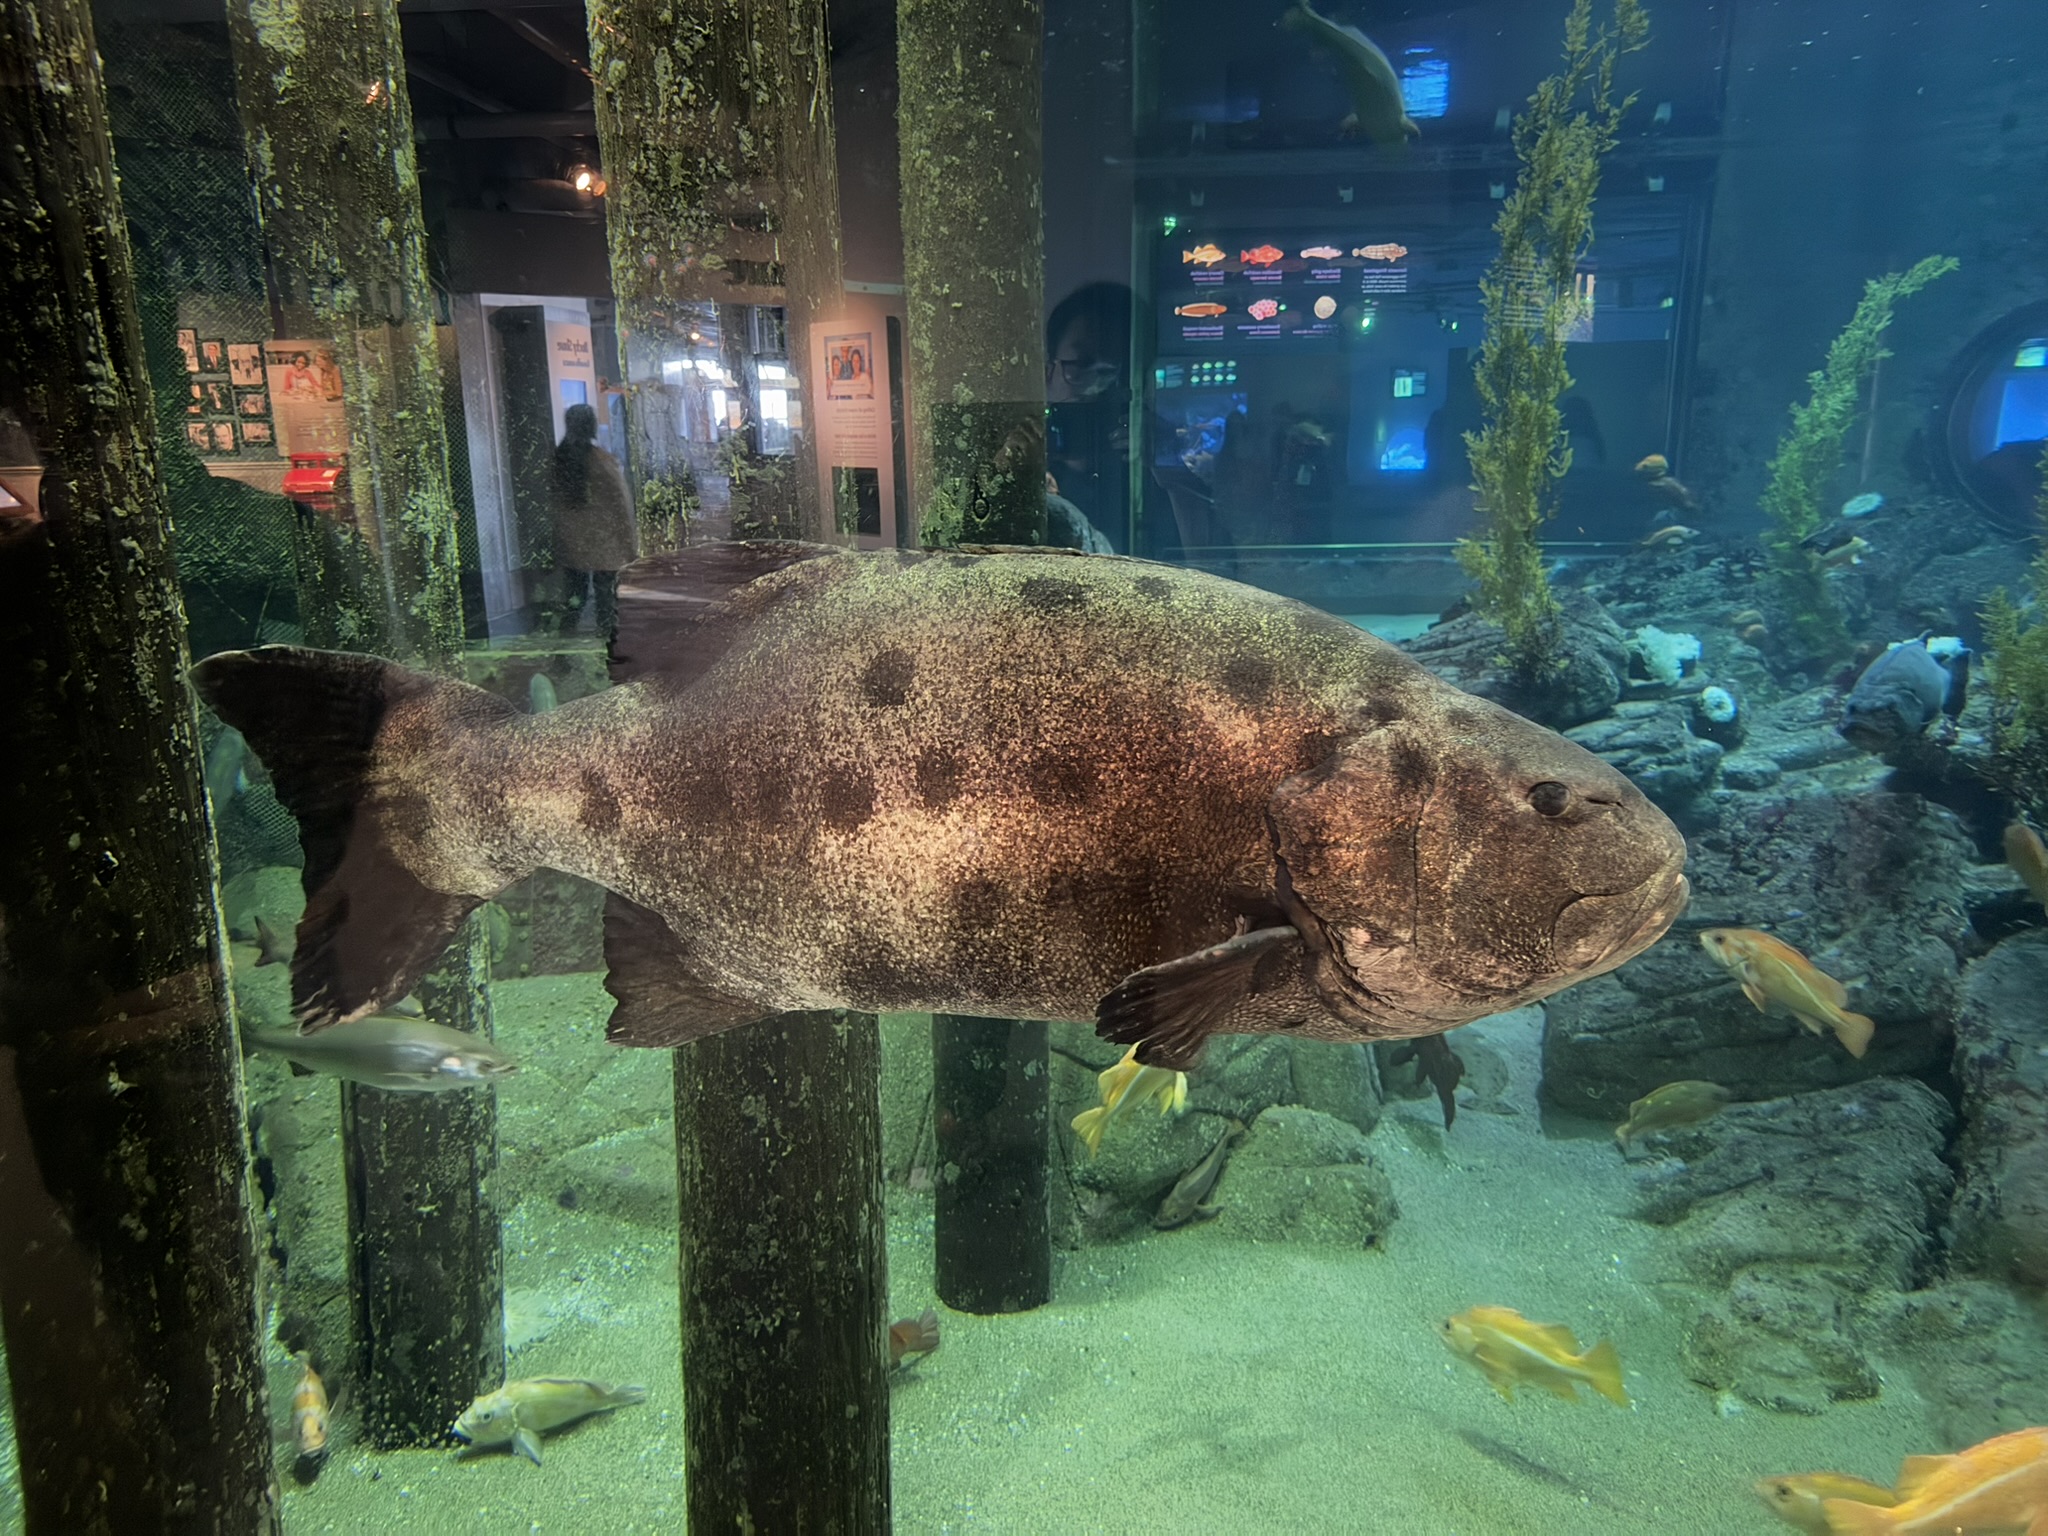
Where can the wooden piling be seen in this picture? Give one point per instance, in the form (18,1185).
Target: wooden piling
(128,1287)
(328,123)
(973,252)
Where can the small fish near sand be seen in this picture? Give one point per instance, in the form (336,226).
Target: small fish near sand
(520,1412)
(1675,1104)
(1778,978)
(1510,1351)
(2028,857)
(309,1414)
(1124,1086)
(1187,1200)
(1797,1498)
(397,1053)
(913,1336)
(1377,108)
(1992,1489)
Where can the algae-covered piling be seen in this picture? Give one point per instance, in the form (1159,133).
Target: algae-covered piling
(128,1272)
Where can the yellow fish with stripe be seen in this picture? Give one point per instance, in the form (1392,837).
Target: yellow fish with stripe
(1999,1486)
(1776,977)
(1124,1085)
(1797,1497)
(1513,1352)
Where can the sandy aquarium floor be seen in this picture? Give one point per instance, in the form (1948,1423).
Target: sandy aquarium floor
(1185,1382)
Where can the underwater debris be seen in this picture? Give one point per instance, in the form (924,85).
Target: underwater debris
(1511,1351)
(1774,975)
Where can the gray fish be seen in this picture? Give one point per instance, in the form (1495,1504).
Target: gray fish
(1377,108)
(1901,693)
(1185,1202)
(1017,784)
(225,760)
(399,1055)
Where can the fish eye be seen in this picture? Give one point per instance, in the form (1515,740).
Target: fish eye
(1550,798)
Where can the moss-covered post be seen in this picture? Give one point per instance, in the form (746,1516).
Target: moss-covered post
(324,108)
(970,115)
(715,121)
(128,1263)
(714,118)
(784,1277)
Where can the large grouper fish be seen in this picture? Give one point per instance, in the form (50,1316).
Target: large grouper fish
(1015,783)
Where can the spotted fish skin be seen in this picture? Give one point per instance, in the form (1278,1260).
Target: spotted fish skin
(1028,784)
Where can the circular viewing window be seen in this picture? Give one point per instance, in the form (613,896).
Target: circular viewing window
(1997,420)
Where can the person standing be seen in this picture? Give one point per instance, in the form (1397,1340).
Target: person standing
(595,530)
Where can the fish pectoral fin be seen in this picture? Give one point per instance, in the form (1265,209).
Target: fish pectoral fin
(660,1003)
(1757,995)
(527,1444)
(1169,1011)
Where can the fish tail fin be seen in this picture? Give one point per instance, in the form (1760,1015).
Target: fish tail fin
(1846,1517)
(1854,1031)
(1088,1125)
(357,749)
(625,1395)
(1602,1364)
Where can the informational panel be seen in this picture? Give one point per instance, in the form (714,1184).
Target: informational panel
(305,397)
(1249,290)
(851,406)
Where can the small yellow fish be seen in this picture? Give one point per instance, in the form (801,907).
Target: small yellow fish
(1511,1351)
(1124,1085)
(1651,465)
(1796,1499)
(309,1410)
(1207,254)
(2029,859)
(1747,617)
(1685,1103)
(1776,977)
(1999,1486)
(1850,553)
(519,1411)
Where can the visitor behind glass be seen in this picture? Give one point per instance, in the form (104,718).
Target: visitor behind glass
(595,531)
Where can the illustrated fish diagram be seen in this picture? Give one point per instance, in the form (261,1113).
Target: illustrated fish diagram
(1025,784)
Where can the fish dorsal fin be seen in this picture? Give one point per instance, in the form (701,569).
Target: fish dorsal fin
(1916,1472)
(680,612)
(661,1003)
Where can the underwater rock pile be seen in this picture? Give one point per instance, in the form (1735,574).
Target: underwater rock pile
(1865,885)
(1781,1216)
(1592,671)
(1999,1225)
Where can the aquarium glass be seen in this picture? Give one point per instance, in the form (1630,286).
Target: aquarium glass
(1024,765)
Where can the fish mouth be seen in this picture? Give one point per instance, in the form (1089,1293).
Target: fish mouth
(1583,937)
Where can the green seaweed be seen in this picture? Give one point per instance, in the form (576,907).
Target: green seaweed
(1533,305)
(1810,453)
(2017,642)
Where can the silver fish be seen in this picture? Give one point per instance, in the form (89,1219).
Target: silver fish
(1186,1201)
(1023,784)
(518,1413)
(399,1055)
(1377,108)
